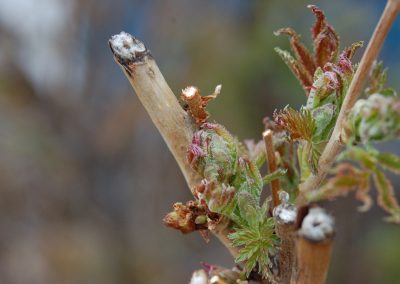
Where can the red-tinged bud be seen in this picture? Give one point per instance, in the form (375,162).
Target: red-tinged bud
(194,153)
(333,82)
(345,65)
(209,125)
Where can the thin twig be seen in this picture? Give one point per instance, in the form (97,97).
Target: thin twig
(334,144)
(173,123)
(272,166)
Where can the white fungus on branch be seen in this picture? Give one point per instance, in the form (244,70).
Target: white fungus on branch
(127,48)
(314,247)
(317,225)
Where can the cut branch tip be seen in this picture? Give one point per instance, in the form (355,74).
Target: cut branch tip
(127,49)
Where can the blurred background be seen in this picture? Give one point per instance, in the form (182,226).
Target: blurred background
(85,178)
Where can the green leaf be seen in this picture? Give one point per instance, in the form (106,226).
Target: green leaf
(248,208)
(386,197)
(364,157)
(324,117)
(275,175)
(256,242)
(347,178)
(248,178)
(389,161)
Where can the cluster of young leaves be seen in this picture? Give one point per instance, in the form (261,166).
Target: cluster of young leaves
(377,117)
(232,186)
(325,76)
(373,119)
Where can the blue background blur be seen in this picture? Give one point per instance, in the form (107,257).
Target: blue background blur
(85,178)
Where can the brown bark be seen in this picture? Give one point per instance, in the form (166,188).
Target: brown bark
(314,247)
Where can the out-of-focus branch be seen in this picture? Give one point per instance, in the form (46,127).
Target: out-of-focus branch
(173,123)
(334,144)
(314,247)
(272,166)
(285,215)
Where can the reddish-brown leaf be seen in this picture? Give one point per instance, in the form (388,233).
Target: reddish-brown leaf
(326,46)
(320,22)
(302,54)
(297,69)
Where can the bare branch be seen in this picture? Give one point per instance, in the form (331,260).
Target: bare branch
(173,123)
(334,144)
(272,166)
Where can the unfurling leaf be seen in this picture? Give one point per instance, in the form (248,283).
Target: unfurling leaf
(389,161)
(377,81)
(325,83)
(256,244)
(347,178)
(375,119)
(386,197)
(298,69)
(248,208)
(248,178)
(219,198)
(326,40)
(299,124)
(302,54)
(275,175)
(213,153)
(350,51)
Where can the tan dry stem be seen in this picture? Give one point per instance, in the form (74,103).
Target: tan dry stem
(334,144)
(272,165)
(173,123)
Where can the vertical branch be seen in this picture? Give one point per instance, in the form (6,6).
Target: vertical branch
(334,144)
(285,215)
(272,166)
(314,247)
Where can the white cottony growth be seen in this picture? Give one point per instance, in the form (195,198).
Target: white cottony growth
(285,213)
(317,225)
(126,46)
(199,277)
